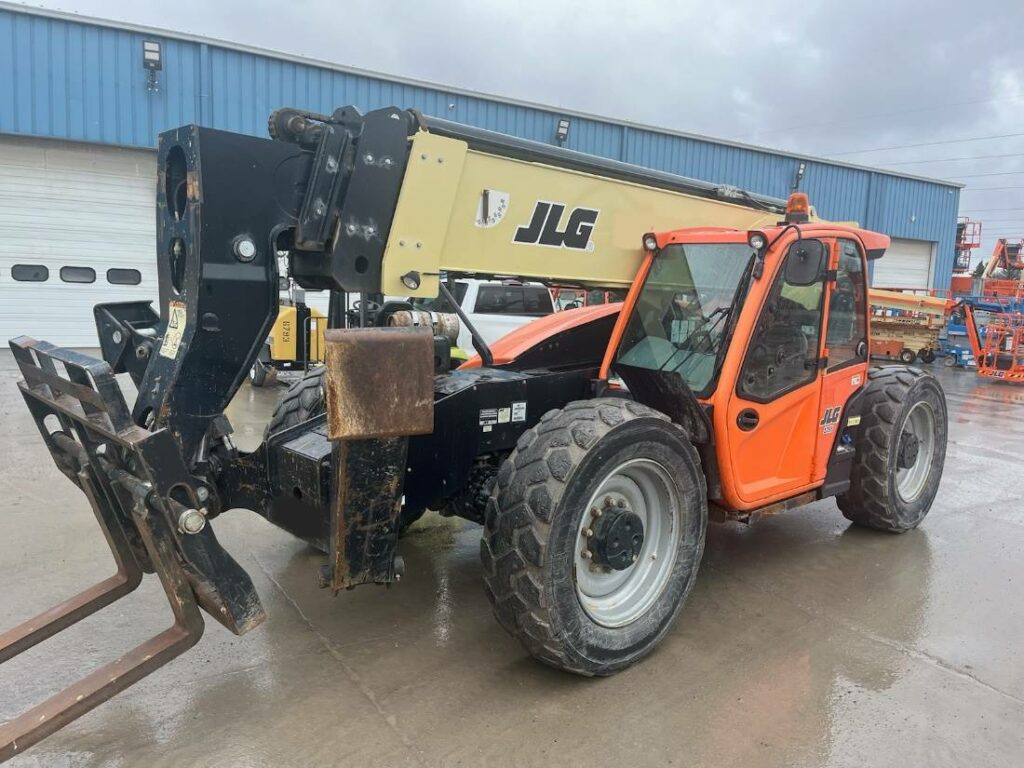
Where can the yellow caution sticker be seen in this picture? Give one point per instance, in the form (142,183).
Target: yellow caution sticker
(853,421)
(177,317)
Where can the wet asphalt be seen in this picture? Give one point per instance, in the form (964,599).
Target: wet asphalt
(806,642)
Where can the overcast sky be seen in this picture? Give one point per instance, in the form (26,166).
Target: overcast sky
(825,78)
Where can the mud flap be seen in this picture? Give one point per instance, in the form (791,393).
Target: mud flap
(365,505)
(379,388)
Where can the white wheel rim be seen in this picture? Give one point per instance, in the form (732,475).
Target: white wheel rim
(614,598)
(920,422)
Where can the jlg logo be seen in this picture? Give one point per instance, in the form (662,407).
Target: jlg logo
(829,420)
(543,227)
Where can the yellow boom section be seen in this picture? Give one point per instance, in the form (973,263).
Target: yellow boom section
(462,210)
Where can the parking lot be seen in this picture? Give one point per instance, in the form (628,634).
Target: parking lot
(805,642)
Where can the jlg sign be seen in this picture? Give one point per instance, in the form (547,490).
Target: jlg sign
(543,227)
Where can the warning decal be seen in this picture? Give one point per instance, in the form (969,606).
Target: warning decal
(177,316)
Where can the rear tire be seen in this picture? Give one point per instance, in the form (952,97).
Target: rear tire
(541,517)
(908,356)
(901,449)
(949,361)
(927,355)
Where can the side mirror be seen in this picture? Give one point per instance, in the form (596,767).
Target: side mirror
(805,262)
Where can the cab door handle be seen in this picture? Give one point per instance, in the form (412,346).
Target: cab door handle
(747,419)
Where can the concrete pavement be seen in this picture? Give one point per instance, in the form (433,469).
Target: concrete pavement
(806,642)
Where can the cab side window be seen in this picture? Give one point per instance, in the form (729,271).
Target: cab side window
(783,351)
(846,337)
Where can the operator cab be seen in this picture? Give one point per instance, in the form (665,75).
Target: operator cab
(766,329)
(698,282)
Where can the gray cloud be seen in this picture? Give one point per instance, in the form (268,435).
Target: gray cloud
(816,77)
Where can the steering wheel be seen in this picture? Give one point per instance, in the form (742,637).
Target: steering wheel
(700,338)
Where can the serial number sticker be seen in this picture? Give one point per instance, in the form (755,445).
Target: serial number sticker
(177,317)
(488,417)
(519,411)
(504,415)
(853,421)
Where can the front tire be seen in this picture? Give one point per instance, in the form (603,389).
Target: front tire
(301,402)
(908,356)
(901,450)
(589,478)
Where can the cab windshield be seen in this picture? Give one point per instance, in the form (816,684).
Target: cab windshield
(684,314)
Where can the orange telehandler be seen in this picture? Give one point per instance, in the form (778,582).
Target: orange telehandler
(592,445)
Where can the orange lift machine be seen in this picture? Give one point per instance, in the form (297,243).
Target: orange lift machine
(1000,354)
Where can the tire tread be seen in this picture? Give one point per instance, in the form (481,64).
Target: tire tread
(866,502)
(302,401)
(517,524)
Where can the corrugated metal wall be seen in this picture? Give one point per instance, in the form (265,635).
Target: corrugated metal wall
(64,78)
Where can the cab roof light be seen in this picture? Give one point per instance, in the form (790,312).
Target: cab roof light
(650,242)
(798,208)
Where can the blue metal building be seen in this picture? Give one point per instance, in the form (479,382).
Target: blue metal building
(80,84)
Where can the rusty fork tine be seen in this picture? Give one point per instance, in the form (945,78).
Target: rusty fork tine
(73,702)
(88,601)
(130,475)
(62,616)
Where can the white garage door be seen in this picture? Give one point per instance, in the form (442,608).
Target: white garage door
(906,264)
(77,227)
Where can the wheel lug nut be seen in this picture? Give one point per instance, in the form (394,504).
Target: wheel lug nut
(586,554)
(588,532)
(608,501)
(620,503)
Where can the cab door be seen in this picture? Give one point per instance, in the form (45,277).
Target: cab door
(846,344)
(772,415)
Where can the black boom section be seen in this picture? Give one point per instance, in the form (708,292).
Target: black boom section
(355,203)
(227,204)
(217,221)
